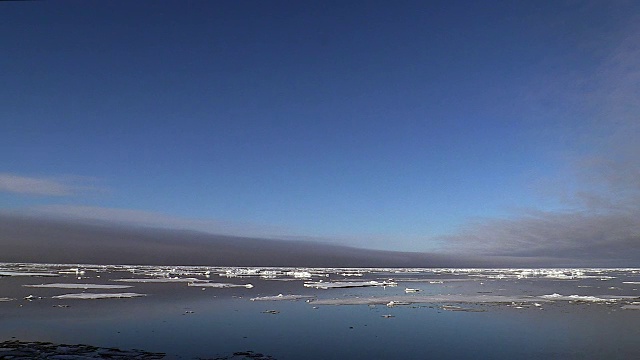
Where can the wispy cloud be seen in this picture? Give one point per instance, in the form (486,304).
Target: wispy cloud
(34,186)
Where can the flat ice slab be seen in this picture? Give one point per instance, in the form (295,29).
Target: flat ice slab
(588,298)
(220,285)
(5,299)
(163,280)
(348,284)
(22,273)
(424,299)
(89,296)
(281,297)
(78,286)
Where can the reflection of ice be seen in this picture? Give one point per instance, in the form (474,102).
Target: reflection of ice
(79,286)
(89,296)
(280,297)
(348,284)
(220,285)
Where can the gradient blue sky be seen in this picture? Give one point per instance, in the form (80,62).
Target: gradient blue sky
(375,123)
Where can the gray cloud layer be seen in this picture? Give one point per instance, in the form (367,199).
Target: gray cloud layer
(599,191)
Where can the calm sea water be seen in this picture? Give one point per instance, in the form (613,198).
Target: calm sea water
(541,314)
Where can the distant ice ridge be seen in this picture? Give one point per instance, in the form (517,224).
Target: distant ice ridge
(220,285)
(78,286)
(89,296)
(348,284)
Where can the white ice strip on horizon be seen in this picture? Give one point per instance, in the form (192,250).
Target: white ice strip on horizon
(163,280)
(631,282)
(19,273)
(589,298)
(281,297)
(89,296)
(219,285)
(79,286)
(348,284)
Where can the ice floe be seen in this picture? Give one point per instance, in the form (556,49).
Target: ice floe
(219,285)
(5,299)
(20,273)
(586,298)
(90,296)
(78,286)
(348,284)
(163,280)
(281,297)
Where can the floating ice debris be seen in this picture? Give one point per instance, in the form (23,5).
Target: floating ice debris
(459,308)
(299,274)
(5,299)
(411,290)
(631,282)
(393,303)
(281,297)
(631,307)
(90,296)
(388,316)
(78,286)
(272,312)
(220,285)
(163,280)
(20,273)
(348,284)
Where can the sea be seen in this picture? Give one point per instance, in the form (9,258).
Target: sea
(202,312)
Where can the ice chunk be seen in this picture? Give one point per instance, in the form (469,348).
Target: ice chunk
(5,299)
(425,299)
(348,284)
(410,290)
(280,297)
(78,286)
(220,285)
(90,296)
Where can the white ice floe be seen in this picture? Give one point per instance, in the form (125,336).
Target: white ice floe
(631,307)
(163,280)
(631,282)
(90,296)
(5,299)
(588,298)
(281,297)
(21,273)
(220,285)
(411,290)
(348,284)
(78,286)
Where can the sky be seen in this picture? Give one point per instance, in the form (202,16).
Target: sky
(493,127)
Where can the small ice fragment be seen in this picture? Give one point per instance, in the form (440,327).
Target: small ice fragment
(410,290)
(219,285)
(162,280)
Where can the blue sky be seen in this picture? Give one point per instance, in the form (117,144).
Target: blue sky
(374,124)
